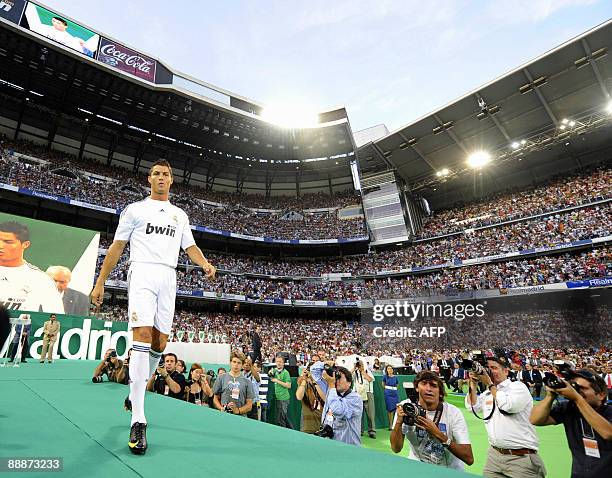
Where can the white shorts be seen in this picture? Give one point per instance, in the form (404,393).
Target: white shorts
(151,296)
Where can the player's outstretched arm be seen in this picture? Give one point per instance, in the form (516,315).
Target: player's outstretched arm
(196,256)
(110,261)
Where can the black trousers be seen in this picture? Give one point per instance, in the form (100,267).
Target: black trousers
(24,350)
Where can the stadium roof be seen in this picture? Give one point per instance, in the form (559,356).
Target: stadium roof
(543,118)
(202,128)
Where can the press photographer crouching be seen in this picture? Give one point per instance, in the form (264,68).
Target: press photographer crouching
(506,407)
(586,417)
(341,417)
(167,380)
(111,366)
(437,431)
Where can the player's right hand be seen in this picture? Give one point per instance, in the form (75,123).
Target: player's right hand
(97,295)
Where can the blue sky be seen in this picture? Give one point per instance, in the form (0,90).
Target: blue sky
(387,61)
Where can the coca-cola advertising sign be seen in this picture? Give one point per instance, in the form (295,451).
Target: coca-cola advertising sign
(126,59)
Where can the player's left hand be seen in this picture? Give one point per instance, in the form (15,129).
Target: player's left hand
(209,270)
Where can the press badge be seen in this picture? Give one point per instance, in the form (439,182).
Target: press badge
(591,448)
(235,392)
(588,439)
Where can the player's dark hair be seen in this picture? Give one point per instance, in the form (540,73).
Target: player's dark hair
(21,232)
(161,162)
(59,19)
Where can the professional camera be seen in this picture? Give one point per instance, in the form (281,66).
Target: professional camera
(326,431)
(228,409)
(211,373)
(553,381)
(412,411)
(332,371)
(111,355)
(476,365)
(97,379)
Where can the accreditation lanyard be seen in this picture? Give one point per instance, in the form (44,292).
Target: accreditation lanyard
(591,448)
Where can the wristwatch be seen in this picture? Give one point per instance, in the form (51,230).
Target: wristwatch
(447,443)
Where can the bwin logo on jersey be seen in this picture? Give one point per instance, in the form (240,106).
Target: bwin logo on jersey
(168,231)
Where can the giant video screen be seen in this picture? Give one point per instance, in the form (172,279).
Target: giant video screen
(59,29)
(46,267)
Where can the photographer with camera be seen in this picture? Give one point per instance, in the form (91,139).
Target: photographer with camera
(506,406)
(110,366)
(123,374)
(364,386)
(587,419)
(437,431)
(279,376)
(197,389)
(341,417)
(311,396)
(167,380)
(233,392)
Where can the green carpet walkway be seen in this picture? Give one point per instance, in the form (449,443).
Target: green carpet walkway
(54,410)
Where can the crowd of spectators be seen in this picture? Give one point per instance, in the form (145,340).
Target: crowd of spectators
(542,270)
(559,193)
(555,328)
(234,213)
(587,223)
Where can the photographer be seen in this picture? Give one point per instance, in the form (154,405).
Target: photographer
(123,374)
(197,390)
(311,396)
(167,380)
(110,366)
(364,386)
(587,420)
(233,393)
(506,406)
(343,408)
(439,434)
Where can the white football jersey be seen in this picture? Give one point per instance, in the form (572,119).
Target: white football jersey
(157,230)
(29,289)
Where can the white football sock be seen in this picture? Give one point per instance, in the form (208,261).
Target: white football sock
(154,357)
(139,375)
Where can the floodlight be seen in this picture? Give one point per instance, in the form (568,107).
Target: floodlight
(290,116)
(515,145)
(609,107)
(445,172)
(478,159)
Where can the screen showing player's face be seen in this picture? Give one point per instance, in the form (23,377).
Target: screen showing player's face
(160,179)
(11,249)
(59,25)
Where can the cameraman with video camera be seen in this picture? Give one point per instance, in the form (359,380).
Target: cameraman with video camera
(110,366)
(341,416)
(436,430)
(587,419)
(506,406)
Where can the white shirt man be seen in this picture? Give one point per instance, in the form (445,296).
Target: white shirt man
(423,447)
(28,288)
(506,407)
(22,285)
